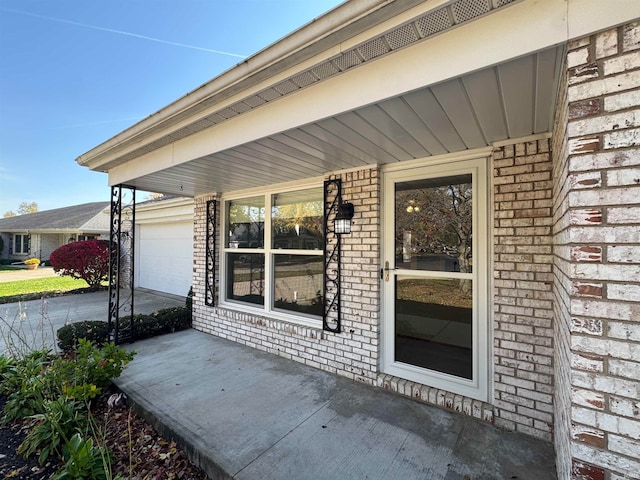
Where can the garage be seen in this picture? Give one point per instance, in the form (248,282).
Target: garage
(164,245)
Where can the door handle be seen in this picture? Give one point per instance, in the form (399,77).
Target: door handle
(384,272)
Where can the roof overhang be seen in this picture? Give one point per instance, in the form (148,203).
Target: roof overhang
(368,83)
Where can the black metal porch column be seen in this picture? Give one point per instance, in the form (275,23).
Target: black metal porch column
(122,263)
(331,319)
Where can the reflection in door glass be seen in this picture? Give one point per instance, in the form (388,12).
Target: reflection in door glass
(433,324)
(433,219)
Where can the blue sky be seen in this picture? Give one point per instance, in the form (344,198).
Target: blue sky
(73,73)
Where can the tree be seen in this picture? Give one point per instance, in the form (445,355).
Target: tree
(26,207)
(87,260)
(10,213)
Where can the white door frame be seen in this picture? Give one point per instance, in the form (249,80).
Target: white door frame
(478,386)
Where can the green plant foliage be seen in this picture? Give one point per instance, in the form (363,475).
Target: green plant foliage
(91,370)
(60,420)
(83,460)
(95,331)
(27,385)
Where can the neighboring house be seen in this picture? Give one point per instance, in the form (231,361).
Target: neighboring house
(164,245)
(40,233)
(491,151)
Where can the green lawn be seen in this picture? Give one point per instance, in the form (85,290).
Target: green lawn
(39,286)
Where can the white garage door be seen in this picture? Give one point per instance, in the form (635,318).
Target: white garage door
(164,257)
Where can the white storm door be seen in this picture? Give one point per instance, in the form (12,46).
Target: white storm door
(435,279)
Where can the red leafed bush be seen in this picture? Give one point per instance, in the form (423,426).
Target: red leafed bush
(88,260)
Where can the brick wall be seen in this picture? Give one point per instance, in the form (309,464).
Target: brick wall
(523,307)
(352,353)
(598,255)
(562,288)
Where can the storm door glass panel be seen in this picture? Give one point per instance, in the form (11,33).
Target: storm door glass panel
(298,283)
(245,277)
(434,304)
(296,220)
(245,223)
(434,324)
(434,224)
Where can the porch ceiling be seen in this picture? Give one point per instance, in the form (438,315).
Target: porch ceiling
(508,101)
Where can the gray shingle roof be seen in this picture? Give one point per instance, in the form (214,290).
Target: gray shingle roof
(88,216)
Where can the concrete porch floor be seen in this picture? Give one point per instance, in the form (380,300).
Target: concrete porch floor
(245,414)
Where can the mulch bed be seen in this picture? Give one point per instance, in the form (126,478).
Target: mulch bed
(138,452)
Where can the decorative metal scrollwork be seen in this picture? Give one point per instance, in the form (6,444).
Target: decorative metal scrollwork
(331,319)
(122,263)
(210,261)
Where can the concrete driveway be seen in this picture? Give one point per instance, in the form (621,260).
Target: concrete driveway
(33,324)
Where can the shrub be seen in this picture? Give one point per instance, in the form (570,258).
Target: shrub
(94,331)
(87,260)
(189,299)
(163,321)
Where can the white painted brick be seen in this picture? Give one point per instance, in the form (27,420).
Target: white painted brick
(622,101)
(604,458)
(624,446)
(623,254)
(628,176)
(626,292)
(625,331)
(600,346)
(577,57)
(625,407)
(631,37)
(605,123)
(601,309)
(607,44)
(621,63)
(622,139)
(626,369)
(603,160)
(607,85)
(623,215)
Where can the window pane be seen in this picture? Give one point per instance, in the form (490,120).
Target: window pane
(245,277)
(298,283)
(433,324)
(25,243)
(296,220)
(434,224)
(245,223)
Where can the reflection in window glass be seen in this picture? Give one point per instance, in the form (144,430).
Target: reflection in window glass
(245,223)
(433,324)
(296,220)
(298,283)
(245,277)
(434,224)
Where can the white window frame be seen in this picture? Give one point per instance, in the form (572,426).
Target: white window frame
(267,309)
(15,238)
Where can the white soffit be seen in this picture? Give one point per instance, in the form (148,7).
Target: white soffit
(508,101)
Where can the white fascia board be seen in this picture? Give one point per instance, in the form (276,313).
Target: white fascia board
(520,29)
(589,16)
(443,57)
